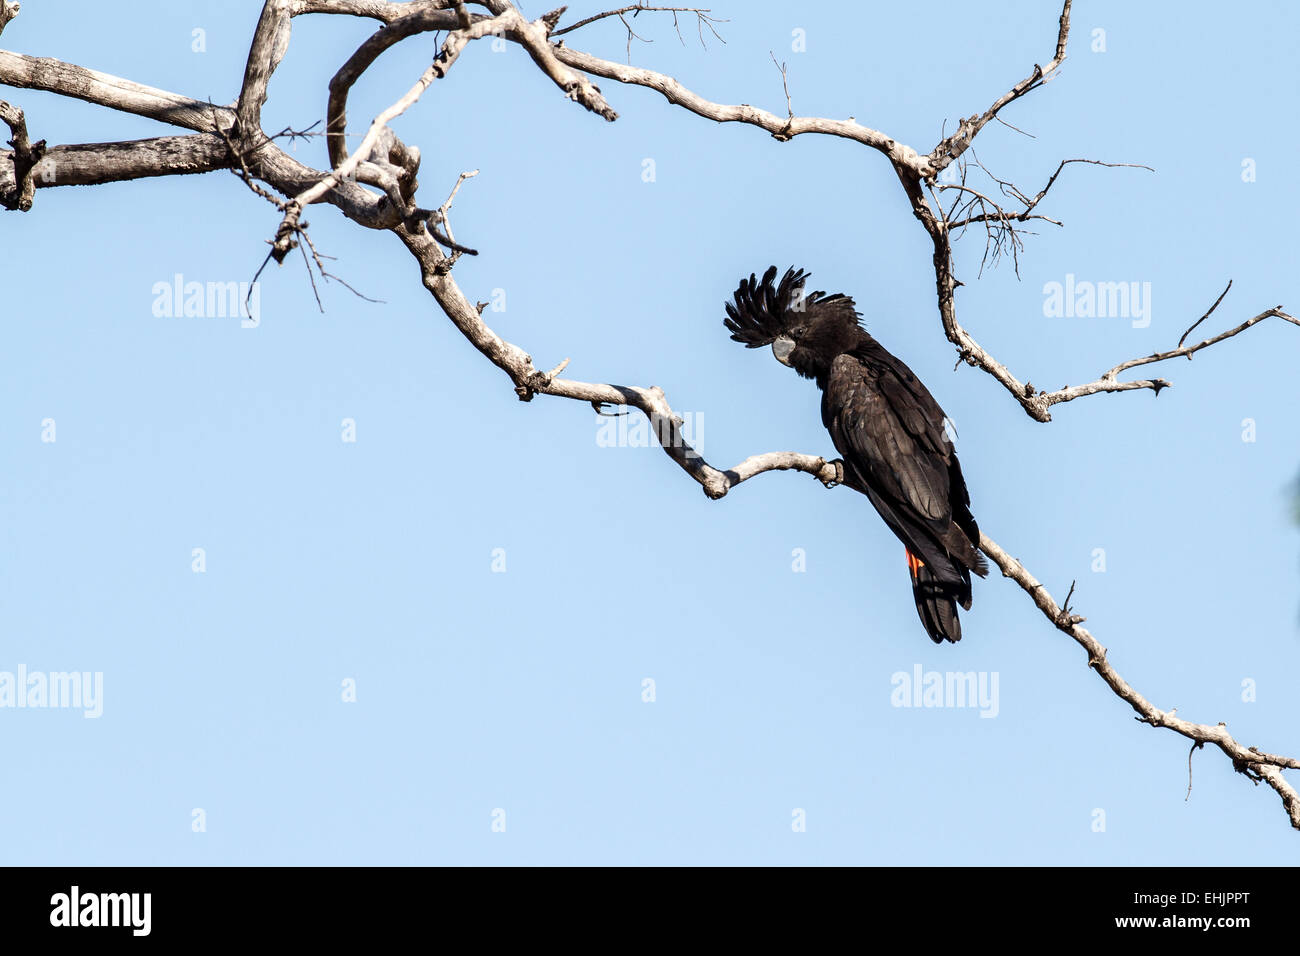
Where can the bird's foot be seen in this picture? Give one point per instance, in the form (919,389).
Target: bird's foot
(837,474)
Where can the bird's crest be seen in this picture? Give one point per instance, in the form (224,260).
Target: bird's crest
(762,311)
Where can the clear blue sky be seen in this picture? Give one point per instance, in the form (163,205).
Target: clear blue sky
(372,561)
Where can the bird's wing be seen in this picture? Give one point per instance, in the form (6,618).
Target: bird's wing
(890,430)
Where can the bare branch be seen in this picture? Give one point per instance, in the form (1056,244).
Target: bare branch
(634,9)
(535,39)
(913,169)
(956,144)
(899,154)
(1024,214)
(91,164)
(441,217)
(270,43)
(24,158)
(379,132)
(8,10)
(1109,383)
(318,258)
(785,84)
(386,11)
(1016,128)
(1254,764)
(421,21)
(998,220)
(103,89)
(1208,313)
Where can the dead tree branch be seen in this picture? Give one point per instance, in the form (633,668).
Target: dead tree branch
(1109,383)
(701,14)
(8,10)
(24,157)
(1256,765)
(953,146)
(914,171)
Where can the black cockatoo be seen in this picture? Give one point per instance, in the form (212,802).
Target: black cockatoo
(887,427)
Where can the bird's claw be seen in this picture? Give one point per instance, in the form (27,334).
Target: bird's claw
(838,478)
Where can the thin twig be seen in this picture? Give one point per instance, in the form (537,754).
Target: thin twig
(1206,315)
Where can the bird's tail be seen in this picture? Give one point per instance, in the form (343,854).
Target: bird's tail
(936,602)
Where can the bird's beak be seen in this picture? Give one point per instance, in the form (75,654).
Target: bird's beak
(782,348)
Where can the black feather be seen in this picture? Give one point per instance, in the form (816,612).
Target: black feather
(886,426)
(763,310)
